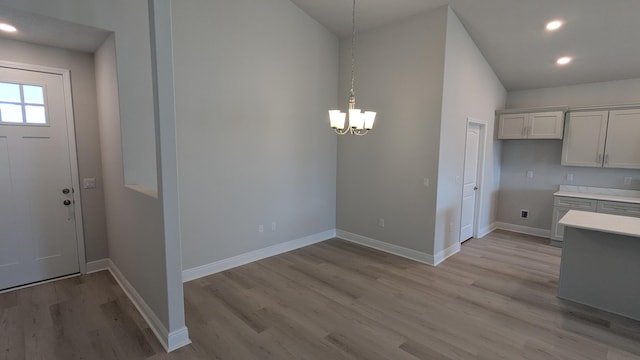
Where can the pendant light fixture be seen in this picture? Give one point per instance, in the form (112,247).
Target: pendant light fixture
(359,123)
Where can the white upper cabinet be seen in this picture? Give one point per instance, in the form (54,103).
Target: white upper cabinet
(513,126)
(623,140)
(608,139)
(538,125)
(585,140)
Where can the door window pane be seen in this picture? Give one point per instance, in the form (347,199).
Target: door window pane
(35,114)
(33,95)
(10,113)
(10,92)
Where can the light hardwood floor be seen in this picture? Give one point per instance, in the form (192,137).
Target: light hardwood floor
(335,300)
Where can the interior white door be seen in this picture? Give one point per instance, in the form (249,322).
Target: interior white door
(37,222)
(470,183)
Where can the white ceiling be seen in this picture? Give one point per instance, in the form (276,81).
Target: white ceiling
(52,32)
(601,35)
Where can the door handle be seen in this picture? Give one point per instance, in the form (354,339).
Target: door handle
(67,202)
(475,188)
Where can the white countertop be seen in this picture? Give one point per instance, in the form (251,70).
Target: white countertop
(614,224)
(585,192)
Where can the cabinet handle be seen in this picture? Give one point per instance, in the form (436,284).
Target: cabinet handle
(599,158)
(528,130)
(606,159)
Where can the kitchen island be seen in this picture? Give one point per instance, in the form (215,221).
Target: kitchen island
(600,264)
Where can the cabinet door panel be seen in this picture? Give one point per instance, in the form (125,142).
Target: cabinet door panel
(618,208)
(623,140)
(557,230)
(512,126)
(546,125)
(584,141)
(575,203)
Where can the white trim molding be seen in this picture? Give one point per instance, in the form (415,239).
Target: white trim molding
(98,265)
(486,230)
(246,258)
(446,253)
(169,341)
(523,229)
(399,250)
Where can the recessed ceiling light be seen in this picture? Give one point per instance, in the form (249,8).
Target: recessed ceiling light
(554,25)
(564,60)
(7,28)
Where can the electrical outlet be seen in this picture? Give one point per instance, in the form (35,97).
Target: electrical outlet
(426,182)
(569,177)
(530,174)
(627,180)
(381,222)
(260,228)
(524,214)
(273,226)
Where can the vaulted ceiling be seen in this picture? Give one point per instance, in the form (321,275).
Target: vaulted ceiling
(601,35)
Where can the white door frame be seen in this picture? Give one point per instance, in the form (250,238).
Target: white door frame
(482,152)
(73,156)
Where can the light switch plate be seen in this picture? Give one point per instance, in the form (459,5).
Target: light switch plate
(627,180)
(89,183)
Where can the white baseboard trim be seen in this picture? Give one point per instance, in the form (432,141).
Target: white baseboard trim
(170,341)
(523,229)
(444,254)
(177,339)
(246,258)
(98,265)
(486,230)
(389,248)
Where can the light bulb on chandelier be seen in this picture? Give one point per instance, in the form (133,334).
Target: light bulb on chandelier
(358,123)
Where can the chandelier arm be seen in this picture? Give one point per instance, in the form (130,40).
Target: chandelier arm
(360,132)
(343,131)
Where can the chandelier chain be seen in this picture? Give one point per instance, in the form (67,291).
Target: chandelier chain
(359,123)
(353,45)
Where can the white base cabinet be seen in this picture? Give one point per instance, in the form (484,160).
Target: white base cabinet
(562,205)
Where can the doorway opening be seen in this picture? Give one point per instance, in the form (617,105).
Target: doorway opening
(472,184)
(41,233)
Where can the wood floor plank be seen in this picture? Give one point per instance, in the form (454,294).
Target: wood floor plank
(496,299)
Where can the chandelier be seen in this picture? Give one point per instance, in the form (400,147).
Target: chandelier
(359,122)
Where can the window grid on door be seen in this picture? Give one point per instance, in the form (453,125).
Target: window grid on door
(22,104)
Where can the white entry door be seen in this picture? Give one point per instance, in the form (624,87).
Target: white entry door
(37,222)
(470,183)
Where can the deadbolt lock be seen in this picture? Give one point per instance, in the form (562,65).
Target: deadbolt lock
(66,191)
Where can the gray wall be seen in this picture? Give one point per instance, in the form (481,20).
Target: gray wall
(86,125)
(399,74)
(543,156)
(471,89)
(254,81)
(134,221)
